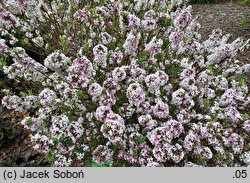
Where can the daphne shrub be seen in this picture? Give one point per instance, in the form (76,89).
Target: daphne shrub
(126,83)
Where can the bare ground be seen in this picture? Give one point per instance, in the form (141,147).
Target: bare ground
(233,18)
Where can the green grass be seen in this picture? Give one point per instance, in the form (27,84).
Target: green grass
(242,23)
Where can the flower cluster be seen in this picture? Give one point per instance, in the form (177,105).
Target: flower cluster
(127,82)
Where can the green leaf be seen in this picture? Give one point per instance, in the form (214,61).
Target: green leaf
(25,41)
(29,122)
(106,127)
(173,69)
(50,158)
(120,43)
(164,9)
(112,46)
(215,71)
(165,44)
(140,139)
(245,136)
(86,48)
(22,94)
(94,164)
(247,147)
(3,62)
(206,102)
(143,56)
(160,57)
(80,93)
(245,116)
(240,79)
(218,156)
(184,39)
(165,23)
(61,8)
(64,44)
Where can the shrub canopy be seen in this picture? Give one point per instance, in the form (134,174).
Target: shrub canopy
(125,83)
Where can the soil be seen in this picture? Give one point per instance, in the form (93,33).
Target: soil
(16,149)
(233,18)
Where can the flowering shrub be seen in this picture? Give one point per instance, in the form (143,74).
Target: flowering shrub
(129,83)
